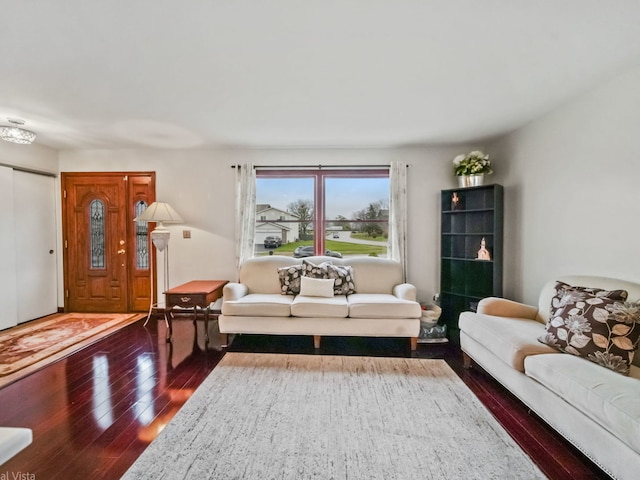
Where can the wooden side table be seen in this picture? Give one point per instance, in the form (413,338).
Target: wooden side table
(195,294)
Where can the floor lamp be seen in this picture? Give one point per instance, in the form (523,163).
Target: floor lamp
(160,213)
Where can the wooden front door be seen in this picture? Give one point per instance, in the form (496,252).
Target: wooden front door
(107,256)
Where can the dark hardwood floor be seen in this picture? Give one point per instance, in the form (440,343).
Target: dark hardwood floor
(94,412)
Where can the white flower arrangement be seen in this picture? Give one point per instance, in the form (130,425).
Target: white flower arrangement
(473,163)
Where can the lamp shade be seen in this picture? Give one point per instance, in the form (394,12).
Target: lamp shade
(159,212)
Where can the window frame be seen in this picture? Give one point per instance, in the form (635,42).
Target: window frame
(319,175)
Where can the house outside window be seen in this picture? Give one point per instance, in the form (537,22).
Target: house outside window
(343,213)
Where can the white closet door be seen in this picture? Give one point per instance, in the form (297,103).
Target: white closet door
(35,245)
(9,315)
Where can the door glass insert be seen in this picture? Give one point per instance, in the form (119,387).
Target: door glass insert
(142,238)
(96,221)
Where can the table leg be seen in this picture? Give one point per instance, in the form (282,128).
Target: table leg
(168,321)
(206,326)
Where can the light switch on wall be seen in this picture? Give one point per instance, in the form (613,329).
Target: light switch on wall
(186,233)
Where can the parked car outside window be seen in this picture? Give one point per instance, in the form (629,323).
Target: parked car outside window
(307,251)
(272,242)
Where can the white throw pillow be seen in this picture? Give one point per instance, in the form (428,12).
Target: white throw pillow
(316,287)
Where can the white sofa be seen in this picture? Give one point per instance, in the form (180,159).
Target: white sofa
(383,305)
(594,408)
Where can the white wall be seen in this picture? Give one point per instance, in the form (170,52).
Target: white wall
(200,186)
(572,190)
(29,157)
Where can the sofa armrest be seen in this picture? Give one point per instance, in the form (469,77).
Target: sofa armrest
(234,291)
(501,307)
(405,291)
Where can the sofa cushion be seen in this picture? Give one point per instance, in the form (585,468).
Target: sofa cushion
(563,288)
(549,290)
(374,274)
(341,274)
(259,304)
(566,296)
(609,399)
(310,307)
(344,283)
(382,305)
(597,328)
(313,270)
(510,339)
(316,287)
(290,279)
(260,274)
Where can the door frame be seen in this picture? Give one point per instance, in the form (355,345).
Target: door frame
(130,233)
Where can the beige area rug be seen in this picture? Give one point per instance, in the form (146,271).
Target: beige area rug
(269,416)
(26,345)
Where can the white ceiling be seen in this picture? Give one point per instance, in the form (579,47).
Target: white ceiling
(274,73)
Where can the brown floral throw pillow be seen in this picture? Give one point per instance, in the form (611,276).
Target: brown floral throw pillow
(343,275)
(568,295)
(290,279)
(598,328)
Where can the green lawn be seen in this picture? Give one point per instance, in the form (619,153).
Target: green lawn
(355,248)
(364,236)
(344,248)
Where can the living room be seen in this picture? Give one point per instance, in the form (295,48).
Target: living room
(561,172)
(565,145)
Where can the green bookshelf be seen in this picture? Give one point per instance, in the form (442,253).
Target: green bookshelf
(469,215)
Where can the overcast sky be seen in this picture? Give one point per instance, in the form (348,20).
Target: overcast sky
(344,196)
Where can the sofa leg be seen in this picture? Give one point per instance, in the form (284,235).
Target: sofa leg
(316,341)
(414,343)
(466,361)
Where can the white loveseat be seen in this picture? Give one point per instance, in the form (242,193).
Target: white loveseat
(382,305)
(594,408)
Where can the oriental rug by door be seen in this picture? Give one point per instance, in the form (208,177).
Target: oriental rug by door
(268,416)
(26,345)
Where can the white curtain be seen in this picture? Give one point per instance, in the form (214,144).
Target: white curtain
(245,212)
(398,214)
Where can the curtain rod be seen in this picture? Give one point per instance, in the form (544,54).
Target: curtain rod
(315,167)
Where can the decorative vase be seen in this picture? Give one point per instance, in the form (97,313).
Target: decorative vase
(470,180)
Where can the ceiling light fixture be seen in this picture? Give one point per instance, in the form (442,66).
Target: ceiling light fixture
(16,134)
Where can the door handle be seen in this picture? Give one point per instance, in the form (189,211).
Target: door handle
(121,251)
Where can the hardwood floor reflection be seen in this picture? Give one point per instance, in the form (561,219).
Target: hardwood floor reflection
(94,412)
